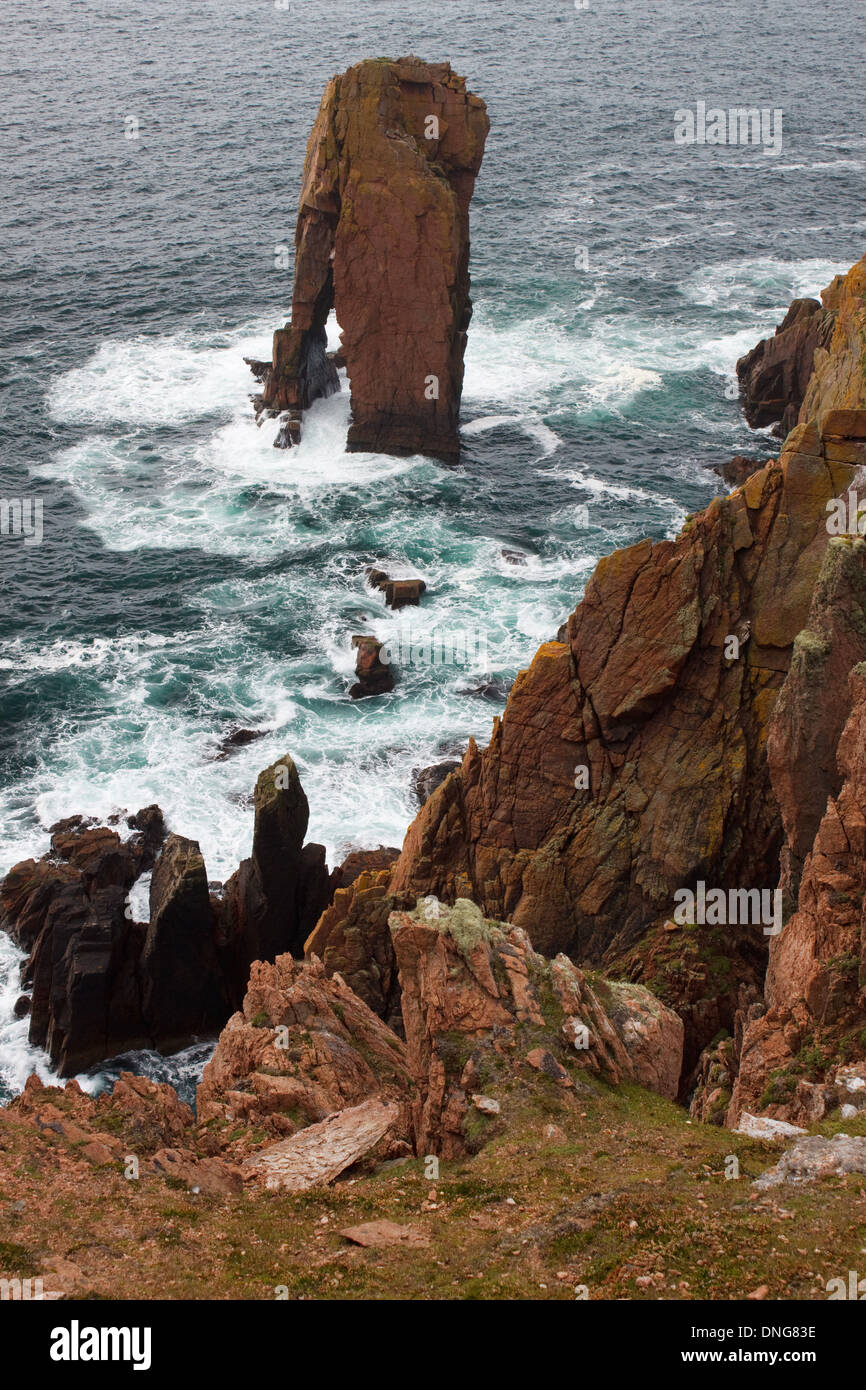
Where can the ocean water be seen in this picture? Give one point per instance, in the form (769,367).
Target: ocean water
(192,579)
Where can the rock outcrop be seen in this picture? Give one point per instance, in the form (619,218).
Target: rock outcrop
(631,759)
(775,374)
(273,901)
(104,984)
(303,1047)
(814,1018)
(383,237)
(475,996)
(374,676)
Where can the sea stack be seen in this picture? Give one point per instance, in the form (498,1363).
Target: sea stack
(383,238)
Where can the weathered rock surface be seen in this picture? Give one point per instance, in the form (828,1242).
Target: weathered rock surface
(303,1047)
(383,237)
(427,779)
(276,896)
(814,989)
(671,732)
(775,374)
(474,990)
(352,938)
(321,1152)
(813,1158)
(362,861)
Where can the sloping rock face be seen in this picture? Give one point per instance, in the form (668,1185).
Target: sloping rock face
(474,993)
(670,728)
(837,381)
(303,1047)
(815,1014)
(383,237)
(352,938)
(775,374)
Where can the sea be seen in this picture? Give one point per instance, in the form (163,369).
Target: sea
(191,579)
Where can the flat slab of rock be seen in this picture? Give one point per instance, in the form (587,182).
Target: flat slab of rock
(816,1157)
(762,1127)
(319,1153)
(377,1235)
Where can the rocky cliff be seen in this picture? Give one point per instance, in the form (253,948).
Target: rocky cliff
(632,757)
(383,238)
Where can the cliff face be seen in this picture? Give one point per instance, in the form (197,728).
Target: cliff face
(671,727)
(383,237)
(632,758)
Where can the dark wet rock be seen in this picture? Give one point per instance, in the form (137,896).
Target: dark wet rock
(238,738)
(374,677)
(183,993)
(513,557)
(427,779)
(22,1006)
(273,901)
(774,375)
(738,469)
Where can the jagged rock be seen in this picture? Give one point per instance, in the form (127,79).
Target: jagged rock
(147,1114)
(272,902)
(671,735)
(321,1152)
(738,469)
(352,939)
(814,704)
(708,975)
(183,992)
(775,374)
(362,861)
(374,677)
(468,979)
(837,380)
(427,779)
(816,972)
(303,1047)
(383,237)
(815,1157)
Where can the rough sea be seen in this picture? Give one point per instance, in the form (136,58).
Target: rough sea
(191,579)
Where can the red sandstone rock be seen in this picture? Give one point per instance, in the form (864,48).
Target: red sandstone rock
(319,1153)
(383,236)
(775,374)
(474,980)
(304,1047)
